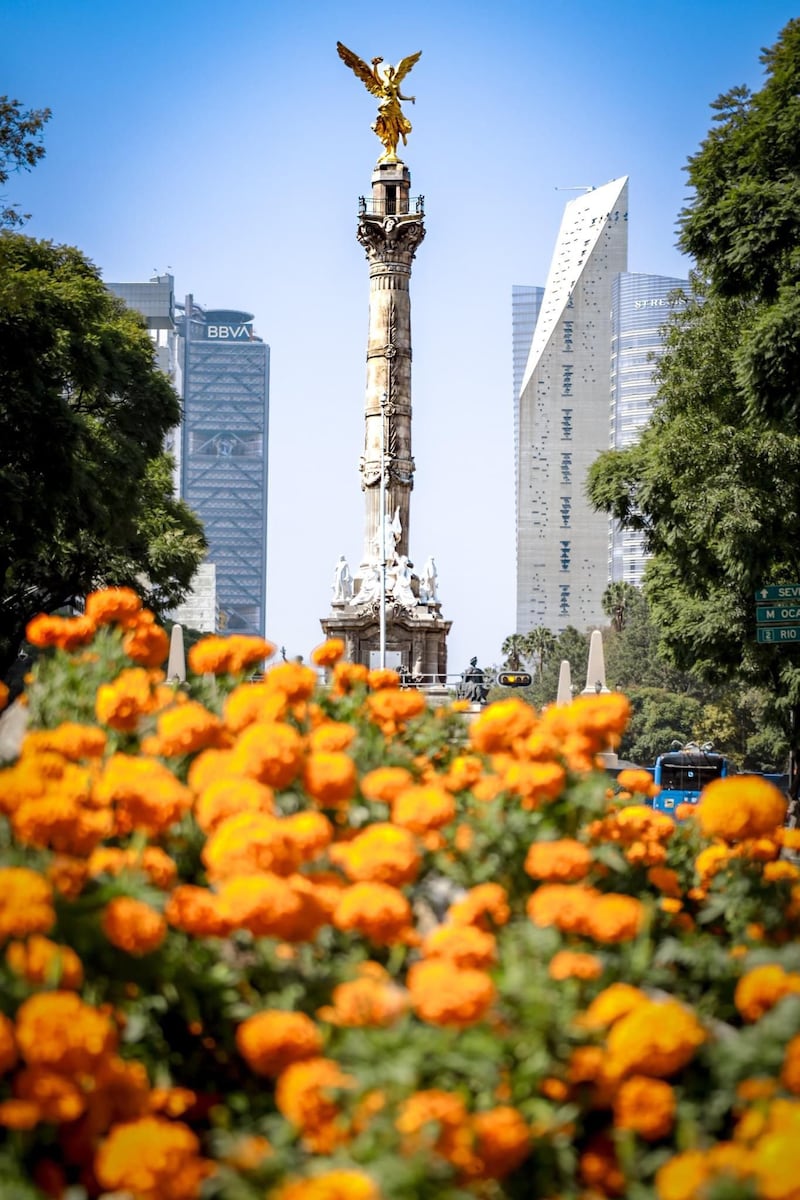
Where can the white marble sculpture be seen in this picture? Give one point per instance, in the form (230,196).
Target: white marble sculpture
(428,581)
(342,581)
(370,589)
(391,536)
(402,591)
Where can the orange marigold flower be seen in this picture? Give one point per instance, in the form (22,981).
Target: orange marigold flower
(305,1095)
(666,880)
(682,1177)
(615,918)
(19,1114)
(64,633)
(270,906)
(599,1168)
(196,911)
(740,806)
(311,832)
(26,903)
(58,1098)
(347,676)
(376,911)
(145,642)
(249,842)
(654,1038)
(4,694)
(383,677)
(152,861)
(385,784)
(330,777)
(465,770)
(251,702)
(485,905)
(269,1041)
(292,680)
(392,708)
(501,725)
(636,779)
(144,792)
(371,1000)
(463,945)
(208,766)
(63,818)
(762,988)
(423,808)
(330,1185)
(8,1045)
(502,1141)
(444,994)
(774,872)
(567,906)
(438,1120)
(711,860)
(569,964)
(331,735)
(133,926)
(229,795)
(381,853)
(57,1030)
(270,752)
(184,730)
(615,1001)
(790,1072)
(67,875)
(563,861)
(70,739)
(152,1159)
(329,653)
(534,782)
(124,702)
(647,1106)
(228,655)
(40,961)
(112,605)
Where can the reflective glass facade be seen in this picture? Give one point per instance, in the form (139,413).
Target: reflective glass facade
(640,306)
(224,455)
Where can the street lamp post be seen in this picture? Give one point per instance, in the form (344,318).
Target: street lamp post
(382,615)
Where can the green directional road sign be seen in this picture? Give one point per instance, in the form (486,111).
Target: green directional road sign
(778,634)
(777,614)
(787,592)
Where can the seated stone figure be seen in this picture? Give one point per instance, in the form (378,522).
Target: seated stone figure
(472,686)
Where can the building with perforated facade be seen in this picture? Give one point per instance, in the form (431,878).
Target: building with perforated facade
(563,422)
(640,307)
(224,443)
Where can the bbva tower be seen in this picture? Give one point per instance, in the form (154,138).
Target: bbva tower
(563,418)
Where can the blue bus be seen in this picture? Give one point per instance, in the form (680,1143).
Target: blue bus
(682,775)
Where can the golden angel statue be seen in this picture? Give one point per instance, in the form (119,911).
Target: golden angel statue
(384,82)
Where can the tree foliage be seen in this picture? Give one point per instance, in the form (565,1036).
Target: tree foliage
(20,147)
(714,483)
(85,489)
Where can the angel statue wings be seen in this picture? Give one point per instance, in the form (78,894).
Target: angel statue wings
(391,124)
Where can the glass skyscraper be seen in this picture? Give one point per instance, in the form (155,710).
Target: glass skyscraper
(224,438)
(640,306)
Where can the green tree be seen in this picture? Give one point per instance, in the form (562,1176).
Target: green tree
(20,147)
(85,489)
(714,483)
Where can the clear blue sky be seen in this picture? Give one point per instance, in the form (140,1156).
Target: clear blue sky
(229,145)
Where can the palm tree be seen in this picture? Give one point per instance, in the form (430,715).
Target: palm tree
(617,599)
(539,646)
(513,648)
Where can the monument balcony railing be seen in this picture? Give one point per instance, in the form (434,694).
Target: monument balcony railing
(398,206)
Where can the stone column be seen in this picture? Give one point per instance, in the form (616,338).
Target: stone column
(390,234)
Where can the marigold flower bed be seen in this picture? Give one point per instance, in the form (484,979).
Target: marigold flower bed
(295,940)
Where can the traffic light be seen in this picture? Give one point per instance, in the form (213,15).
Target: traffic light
(514,679)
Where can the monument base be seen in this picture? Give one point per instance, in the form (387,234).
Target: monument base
(416,638)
